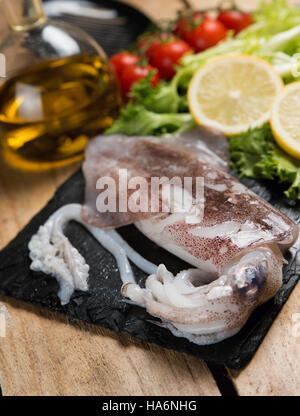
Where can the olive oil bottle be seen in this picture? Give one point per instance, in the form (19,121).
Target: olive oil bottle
(58,93)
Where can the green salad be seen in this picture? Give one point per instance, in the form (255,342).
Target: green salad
(162,110)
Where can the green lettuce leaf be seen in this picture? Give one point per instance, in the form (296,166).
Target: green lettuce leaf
(135,120)
(255,154)
(167,97)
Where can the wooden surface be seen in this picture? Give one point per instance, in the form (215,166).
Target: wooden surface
(43,354)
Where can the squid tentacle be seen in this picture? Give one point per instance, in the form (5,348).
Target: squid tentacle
(52,253)
(210,312)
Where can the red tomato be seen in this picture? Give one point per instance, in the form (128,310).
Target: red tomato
(122,60)
(207,34)
(149,46)
(149,42)
(187,23)
(166,56)
(235,20)
(131,74)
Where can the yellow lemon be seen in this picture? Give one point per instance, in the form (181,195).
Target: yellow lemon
(285,119)
(233,93)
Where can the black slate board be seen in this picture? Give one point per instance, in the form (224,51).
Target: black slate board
(103,304)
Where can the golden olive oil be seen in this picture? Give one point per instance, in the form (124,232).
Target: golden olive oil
(49,111)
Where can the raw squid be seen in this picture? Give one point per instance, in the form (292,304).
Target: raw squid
(237,248)
(146,157)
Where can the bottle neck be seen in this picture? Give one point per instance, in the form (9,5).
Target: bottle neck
(23,14)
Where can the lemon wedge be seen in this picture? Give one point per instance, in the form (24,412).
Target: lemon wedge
(285,119)
(233,93)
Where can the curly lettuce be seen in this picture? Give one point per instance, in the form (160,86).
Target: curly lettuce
(255,154)
(271,18)
(136,120)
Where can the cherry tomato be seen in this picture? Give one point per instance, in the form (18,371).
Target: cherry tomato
(166,56)
(131,74)
(187,23)
(235,20)
(207,34)
(149,42)
(122,60)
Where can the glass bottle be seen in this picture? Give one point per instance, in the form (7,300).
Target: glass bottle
(56,88)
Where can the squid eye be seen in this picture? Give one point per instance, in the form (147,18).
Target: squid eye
(249,279)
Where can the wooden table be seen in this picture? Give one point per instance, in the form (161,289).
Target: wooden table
(43,354)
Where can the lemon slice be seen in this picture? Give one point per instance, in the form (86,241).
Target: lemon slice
(285,119)
(233,93)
